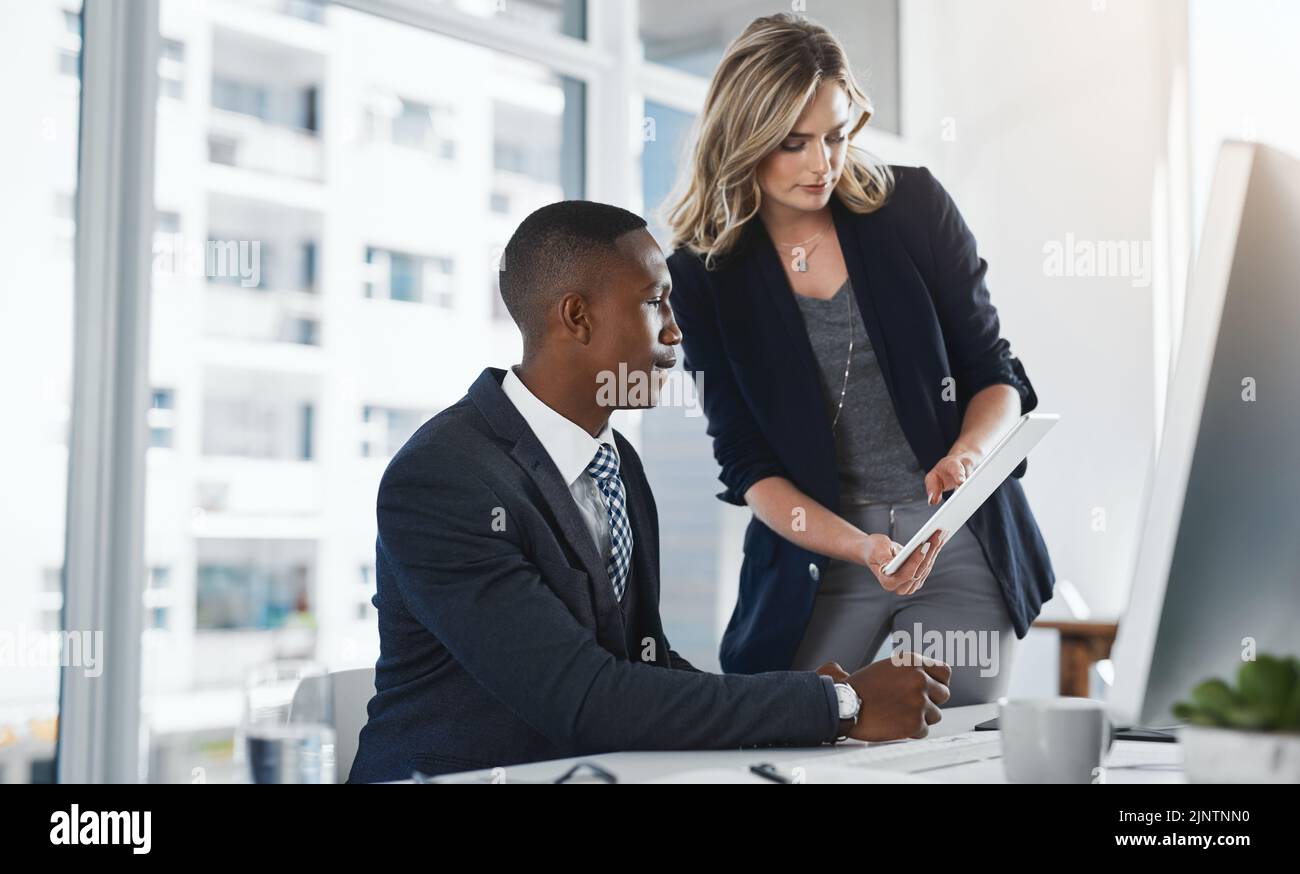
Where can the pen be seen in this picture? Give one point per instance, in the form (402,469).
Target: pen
(769,772)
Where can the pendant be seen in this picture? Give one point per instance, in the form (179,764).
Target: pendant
(801,265)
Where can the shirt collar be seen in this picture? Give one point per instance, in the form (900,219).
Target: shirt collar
(569,446)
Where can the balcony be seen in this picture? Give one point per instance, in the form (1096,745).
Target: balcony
(231,312)
(249,143)
(266,497)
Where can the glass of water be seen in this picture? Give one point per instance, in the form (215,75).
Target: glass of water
(287,728)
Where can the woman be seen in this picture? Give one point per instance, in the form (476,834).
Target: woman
(853,372)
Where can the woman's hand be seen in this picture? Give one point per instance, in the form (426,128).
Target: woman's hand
(950,472)
(880,550)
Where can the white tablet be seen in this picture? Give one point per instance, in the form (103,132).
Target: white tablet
(982,481)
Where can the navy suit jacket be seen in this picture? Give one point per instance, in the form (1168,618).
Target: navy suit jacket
(920,287)
(501,640)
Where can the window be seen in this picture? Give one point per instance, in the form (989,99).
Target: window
(665,139)
(167,222)
(307,10)
(251,597)
(297,388)
(159,597)
(295,106)
(162,419)
(384,430)
(247,98)
(40,44)
(159,578)
(69,45)
(307,265)
(171,69)
(414,124)
(306,431)
(464,139)
(65,226)
(567,17)
(270,426)
(412,278)
(691,37)
(50,601)
(423,127)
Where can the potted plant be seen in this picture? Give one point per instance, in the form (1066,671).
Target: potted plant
(1247,734)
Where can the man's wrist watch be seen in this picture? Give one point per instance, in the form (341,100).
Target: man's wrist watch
(850,707)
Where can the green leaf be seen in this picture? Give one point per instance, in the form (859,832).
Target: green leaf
(1215,696)
(1265,685)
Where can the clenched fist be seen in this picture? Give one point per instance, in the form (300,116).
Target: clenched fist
(900,695)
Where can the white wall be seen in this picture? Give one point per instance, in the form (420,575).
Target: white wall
(1044,119)
(1244,75)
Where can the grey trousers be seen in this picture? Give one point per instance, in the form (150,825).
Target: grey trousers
(958,615)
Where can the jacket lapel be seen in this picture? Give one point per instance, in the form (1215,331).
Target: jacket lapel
(859,243)
(529,453)
(645,542)
(765,270)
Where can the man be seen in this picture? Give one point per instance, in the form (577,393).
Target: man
(518,551)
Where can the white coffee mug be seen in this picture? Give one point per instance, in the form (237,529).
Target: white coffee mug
(1054,740)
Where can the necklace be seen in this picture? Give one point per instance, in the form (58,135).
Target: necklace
(801,264)
(847,364)
(810,239)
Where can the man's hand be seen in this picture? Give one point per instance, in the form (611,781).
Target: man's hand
(834,671)
(898,700)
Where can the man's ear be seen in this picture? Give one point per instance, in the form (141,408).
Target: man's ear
(575,316)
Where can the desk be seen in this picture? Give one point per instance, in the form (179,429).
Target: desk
(1083,644)
(1128,762)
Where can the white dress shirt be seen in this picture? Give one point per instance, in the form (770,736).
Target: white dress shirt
(572,449)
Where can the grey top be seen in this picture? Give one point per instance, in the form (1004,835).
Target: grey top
(876,463)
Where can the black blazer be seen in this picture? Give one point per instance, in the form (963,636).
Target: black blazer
(503,643)
(920,287)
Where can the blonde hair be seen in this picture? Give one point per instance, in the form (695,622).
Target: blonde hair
(764,81)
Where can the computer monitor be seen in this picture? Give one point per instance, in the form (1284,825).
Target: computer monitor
(1218,560)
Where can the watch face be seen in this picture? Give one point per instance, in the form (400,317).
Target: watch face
(848,700)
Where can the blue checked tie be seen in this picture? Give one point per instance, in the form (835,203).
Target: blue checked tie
(604,470)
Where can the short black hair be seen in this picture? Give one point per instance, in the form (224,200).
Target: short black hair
(549,247)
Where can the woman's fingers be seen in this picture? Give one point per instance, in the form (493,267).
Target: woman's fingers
(934,487)
(907,574)
(922,571)
(947,475)
(912,575)
(955,472)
